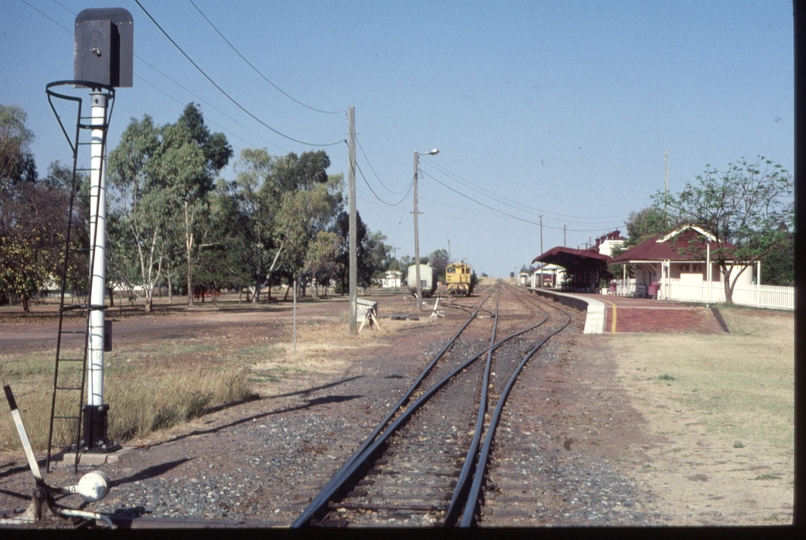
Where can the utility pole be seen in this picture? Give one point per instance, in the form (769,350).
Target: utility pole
(541,250)
(353,226)
(666,182)
(563,235)
(417,239)
(449,250)
(416,234)
(541,234)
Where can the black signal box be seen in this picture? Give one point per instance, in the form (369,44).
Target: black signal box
(104,47)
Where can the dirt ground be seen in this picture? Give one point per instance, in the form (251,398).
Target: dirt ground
(663,444)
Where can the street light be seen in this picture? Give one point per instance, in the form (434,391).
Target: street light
(416,234)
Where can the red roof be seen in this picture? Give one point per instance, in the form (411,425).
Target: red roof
(675,248)
(562,255)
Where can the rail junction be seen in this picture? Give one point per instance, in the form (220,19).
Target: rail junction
(427,461)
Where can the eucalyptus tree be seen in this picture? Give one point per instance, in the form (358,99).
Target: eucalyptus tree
(282,204)
(304,212)
(253,201)
(748,209)
(372,253)
(139,211)
(186,164)
(320,262)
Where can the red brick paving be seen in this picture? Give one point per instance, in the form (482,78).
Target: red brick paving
(658,316)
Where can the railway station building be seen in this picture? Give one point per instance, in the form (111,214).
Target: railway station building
(584,268)
(677,265)
(580,270)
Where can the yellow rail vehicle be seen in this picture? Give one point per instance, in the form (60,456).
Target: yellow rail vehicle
(460,279)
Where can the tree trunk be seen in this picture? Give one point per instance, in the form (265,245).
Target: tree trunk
(149,303)
(111,296)
(25,306)
(728,288)
(189,240)
(190,283)
(258,288)
(170,292)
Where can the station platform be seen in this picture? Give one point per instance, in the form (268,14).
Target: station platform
(613,314)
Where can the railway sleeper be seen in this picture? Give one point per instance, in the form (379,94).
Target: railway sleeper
(411,484)
(425,507)
(427,474)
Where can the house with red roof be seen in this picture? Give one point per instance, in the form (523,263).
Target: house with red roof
(667,264)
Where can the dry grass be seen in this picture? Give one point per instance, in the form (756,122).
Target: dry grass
(742,384)
(319,349)
(724,405)
(148,388)
(157,398)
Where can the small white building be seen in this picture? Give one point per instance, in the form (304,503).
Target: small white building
(392,279)
(548,276)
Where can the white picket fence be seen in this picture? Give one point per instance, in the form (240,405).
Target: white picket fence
(761,296)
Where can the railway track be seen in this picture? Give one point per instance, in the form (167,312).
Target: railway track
(425,462)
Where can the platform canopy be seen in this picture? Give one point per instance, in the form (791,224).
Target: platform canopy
(583,267)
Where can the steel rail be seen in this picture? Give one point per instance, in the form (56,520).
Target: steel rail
(468,517)
(468,467)
(316,505)
(356,461)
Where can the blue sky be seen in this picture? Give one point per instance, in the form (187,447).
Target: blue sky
(556,108)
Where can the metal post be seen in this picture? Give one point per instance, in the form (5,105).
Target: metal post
(353,227)
(541,251)
(708,267)
(95,436)
(417,239)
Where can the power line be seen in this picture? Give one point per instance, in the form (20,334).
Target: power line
(376,195)
(504,200)
(139,76)
(203,101)
(505,213)
(158,89)
(47,16)
(292,98)
(373,170)
(200,70)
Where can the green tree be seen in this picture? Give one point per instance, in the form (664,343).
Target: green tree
(749,210)
(439,261)
(139,211)
(250,203)
(309,200)
(778,267)
(644,223)
(186,164)
(279,206)
(341,228)
(16,161)
(33,213)
(321,261)
(32,239)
